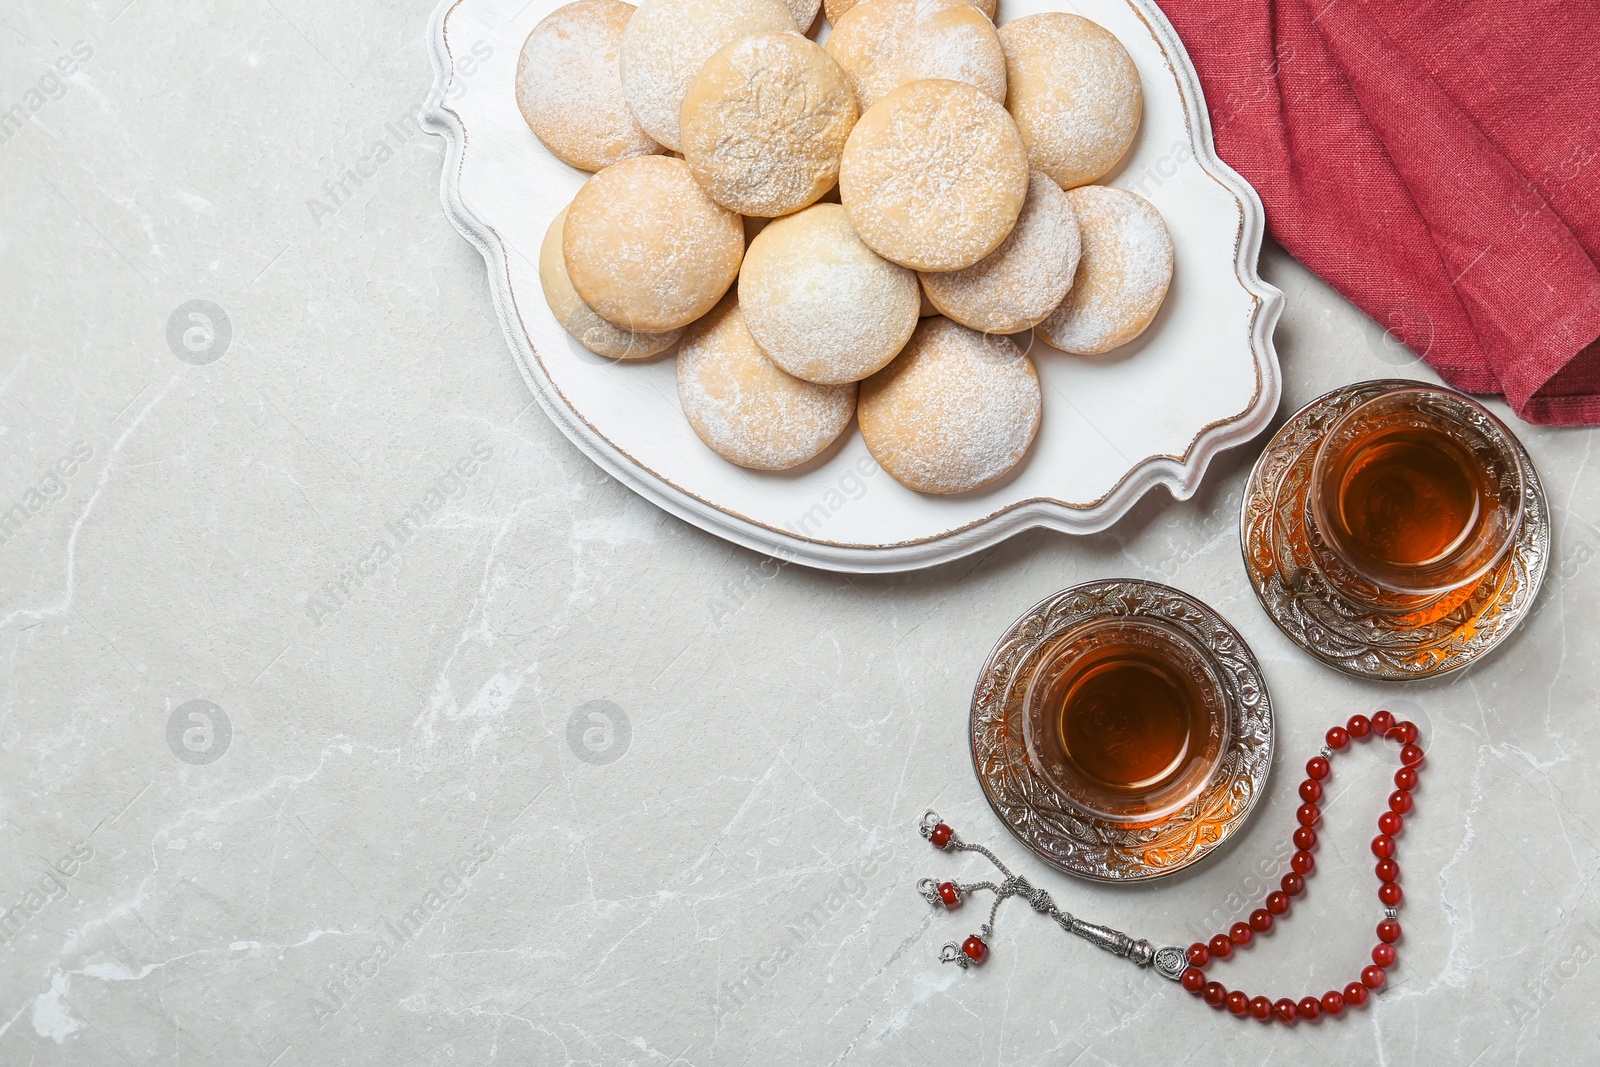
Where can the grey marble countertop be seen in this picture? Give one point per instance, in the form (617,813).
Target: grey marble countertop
(555,778)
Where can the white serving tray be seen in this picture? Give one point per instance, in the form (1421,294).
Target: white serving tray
(1204,377)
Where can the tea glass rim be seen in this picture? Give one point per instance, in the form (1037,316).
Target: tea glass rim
(1505,447)
(1215,694)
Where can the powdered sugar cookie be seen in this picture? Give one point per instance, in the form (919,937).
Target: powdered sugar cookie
(569,89)
(955,410)
(578,319)
(1122,276)
(764,123)
(934,175)
(668,41)
(837,8)
(746,409)
(1021,282)
(646,248)
(1074,92)
(884,44)
(804,13)
(822,304)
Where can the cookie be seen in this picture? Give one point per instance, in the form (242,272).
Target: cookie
(934,175)
(578,319)
(1024,280)
(744,407)
(836,9)
(884,44)
(1122,276)
(822,304)
(1074,92)
(668,41)
(646,248)
(954,411)
(569,89)
(764,123)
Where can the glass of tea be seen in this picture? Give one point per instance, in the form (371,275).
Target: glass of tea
(1125,717)
(1415,493)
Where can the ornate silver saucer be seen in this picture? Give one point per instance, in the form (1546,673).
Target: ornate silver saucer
(1087,845)
(1290,580)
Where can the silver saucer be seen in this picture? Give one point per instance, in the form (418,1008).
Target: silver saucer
(1297,596)
(1085,845)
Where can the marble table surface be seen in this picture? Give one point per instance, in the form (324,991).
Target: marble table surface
(551,777)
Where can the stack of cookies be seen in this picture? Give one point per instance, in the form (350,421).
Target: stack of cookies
(857,228)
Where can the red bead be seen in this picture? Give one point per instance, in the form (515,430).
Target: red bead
(1221,947)
(1310,790)
(1359,726)
(1307,814)
(1213,994)
(1383,955)
(1387,871)
(1388,931)
(1390,823)
(1284,1010)
(1305,838)
(1405,732)
(1383,846)
(1390,894)
(1337,737)
(1260,1008)
(1400,802)
(1310,1008)
(1193,979)
(1317,768)
(1302,862)
(1261,920)
(1372,976)
(949,894)
(941,836)
(1333,1003)
(1198,954)
(1277,902)
(1293,884)
(1237,1002)
(975,949)
(1383,722)
(1355,995)
(1411,756)
(1406,778)
(1240,933)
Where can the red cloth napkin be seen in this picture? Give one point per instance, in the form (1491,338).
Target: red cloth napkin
(1437,162)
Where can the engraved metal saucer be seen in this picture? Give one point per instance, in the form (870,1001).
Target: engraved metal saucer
(1290,580)
(1083,844)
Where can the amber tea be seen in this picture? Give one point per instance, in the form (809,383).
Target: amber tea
(1418,491)
(1126,718)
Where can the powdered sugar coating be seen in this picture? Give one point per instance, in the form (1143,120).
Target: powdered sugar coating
(884,44)
(837,9)
(646,248)
(822,304)
(578,318)
(570,91)
(1122,276)
(764,123)
(1024,280)
(954,411)
(668,41)
(934,175)
(1074,92)
(804,13)
(746,409)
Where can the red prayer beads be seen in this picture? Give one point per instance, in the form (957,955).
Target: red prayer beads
(1390,823)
